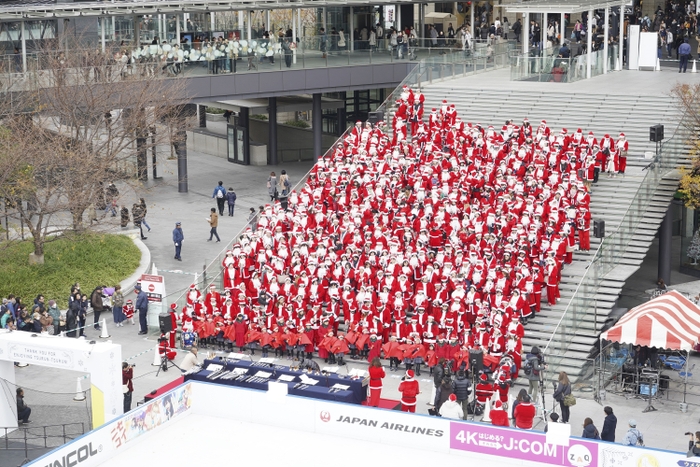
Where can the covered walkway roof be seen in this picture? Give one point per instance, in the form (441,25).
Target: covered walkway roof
(40,11)
(560,6)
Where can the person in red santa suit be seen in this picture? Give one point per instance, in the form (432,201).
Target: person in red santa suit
(165,350)
(499,417)
(240,328)
(622,146)
(173,325)
(484,390)
(409,389)
(552,280)
(376,374)
(193,295)
(583,226)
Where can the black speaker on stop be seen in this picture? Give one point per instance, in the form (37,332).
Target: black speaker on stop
(165,322)
(656,133)
(476,361)
(375,117)
(598,229)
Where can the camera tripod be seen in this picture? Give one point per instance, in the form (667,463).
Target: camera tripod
(165,364)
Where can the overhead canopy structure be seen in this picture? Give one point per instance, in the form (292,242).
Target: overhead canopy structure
(561,6)
(669,321)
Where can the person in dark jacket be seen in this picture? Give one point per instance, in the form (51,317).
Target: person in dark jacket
(23,410)
(589,429)
(444,392)
(178,237)
(609,425)
(562,390)
(461,387)
(72,315)
(438,374)
(97,305)
(142,307)
(231,200)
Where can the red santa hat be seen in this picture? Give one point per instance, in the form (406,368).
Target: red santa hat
(212,286)
(498,405)
(453,397)
(409,374)
(173,306)
(622,135)
(193,286)
(483,377)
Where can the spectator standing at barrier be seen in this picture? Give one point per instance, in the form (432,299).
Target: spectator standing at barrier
(231,200)
(462,389)
(82,316)
(213,220)
(517,29)
(220,196)
(178,237)
(589,429)
(498,415)
(409,389)
(142,307)
(609,425)
(323,38)
(553,417)
(376,374)
(694,445)
(563,389)
(633,437)
(55,314)
(524,414)
(452,409)
(23,410)
(72,315)
(127,385)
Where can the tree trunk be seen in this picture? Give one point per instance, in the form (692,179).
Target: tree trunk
(38,256)
(77,214)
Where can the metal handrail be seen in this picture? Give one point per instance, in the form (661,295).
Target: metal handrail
(628,219)
(28,434)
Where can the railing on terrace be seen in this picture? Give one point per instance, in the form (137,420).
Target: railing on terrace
(546,66)
(424,72)
(89,66)
(31,438)
(610,251)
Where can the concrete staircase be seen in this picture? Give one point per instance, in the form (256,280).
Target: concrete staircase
(610,198)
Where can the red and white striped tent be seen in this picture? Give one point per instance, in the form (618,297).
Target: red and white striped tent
(669,321)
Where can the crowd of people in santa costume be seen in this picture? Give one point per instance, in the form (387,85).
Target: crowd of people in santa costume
(424,247)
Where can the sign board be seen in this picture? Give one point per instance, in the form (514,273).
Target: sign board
(154,286)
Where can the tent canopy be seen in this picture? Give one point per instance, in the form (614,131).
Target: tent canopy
(669,321)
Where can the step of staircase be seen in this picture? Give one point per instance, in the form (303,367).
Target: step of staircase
(611,198)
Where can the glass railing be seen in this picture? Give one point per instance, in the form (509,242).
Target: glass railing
(436,67)
(611,251)
(547,66)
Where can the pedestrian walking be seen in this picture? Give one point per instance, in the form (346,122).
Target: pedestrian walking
(178,237)
(609,425)
(684,53)
(284,184)
(272,186)
(111,199)
(137,216)
(144,212)
(124,217)
(213,220)
(220,196)
(142,308)
(231,200)
(324,42)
